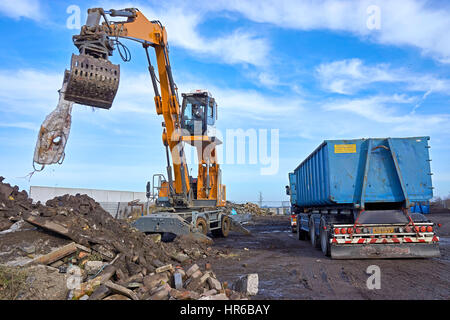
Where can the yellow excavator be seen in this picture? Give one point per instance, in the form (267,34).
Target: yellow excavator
(93,81)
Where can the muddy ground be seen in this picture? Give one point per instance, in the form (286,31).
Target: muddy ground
(292,269)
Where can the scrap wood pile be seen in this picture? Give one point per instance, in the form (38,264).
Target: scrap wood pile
(248,207)
(111,259)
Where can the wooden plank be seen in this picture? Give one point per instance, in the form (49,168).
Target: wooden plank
(57,254)
(48,225)
(121,290)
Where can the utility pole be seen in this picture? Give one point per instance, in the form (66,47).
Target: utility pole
(260,199)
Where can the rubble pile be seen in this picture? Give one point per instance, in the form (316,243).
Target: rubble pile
(246,208)
(111,260)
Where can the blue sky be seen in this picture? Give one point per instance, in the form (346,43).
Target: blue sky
(312,69)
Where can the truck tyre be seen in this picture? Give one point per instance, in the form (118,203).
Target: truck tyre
(312,234)
(224,230)
(202,226)
(324,238)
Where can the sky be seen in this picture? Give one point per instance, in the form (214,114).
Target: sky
(310,70)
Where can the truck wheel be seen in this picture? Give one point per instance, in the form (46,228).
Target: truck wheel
(202,226)
(312,233)
(224,228)
(324,239)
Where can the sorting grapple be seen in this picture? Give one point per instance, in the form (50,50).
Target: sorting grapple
(92,81)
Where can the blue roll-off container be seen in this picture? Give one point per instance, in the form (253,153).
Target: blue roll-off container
(362,171)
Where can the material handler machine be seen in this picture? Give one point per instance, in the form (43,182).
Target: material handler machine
(191,204)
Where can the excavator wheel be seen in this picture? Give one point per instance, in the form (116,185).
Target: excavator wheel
(202,226)
(224,228)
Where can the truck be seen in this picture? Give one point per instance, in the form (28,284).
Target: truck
(352,198)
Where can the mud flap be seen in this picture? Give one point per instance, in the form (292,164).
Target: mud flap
(92,81)
(382,251)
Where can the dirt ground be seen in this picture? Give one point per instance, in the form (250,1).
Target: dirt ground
(291,269)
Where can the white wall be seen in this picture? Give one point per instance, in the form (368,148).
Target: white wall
(38,193)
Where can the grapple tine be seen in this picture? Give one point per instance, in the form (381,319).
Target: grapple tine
(92,81)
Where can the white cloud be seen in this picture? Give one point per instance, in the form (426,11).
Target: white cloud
(403,23)
(21,8)
(237,105)
(182,24)
(27,91)
(20,125)
(384,110)
(350,76)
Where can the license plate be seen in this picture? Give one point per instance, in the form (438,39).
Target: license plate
(383,230)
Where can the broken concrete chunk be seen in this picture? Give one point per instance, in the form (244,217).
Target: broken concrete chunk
(161,293)
(247,284)
(192,270)
(183,294)
(180,257)
(214,284)
(164,268)
(155,237)
(152,281)
(92,267)
(196,274)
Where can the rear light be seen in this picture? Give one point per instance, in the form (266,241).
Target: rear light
(293,216)
(423,229)
(429,229)
(337,231)
(343,230)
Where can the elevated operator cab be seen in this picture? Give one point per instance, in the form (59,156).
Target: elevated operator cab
(199,112)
